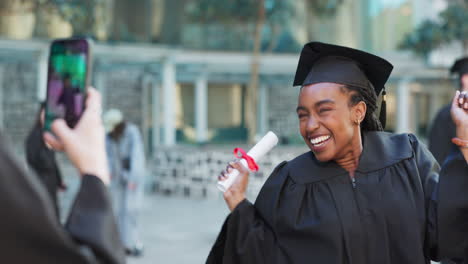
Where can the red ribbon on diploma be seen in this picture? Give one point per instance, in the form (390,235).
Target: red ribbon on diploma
(250,161)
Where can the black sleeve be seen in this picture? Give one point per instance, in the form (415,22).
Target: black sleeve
(453,206)
(244,238)
(428,170)
(446,203)
(58,176)
(31,232)
(38,156)
(440,135)
(92,223)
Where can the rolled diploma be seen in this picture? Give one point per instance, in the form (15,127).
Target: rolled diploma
(257,152)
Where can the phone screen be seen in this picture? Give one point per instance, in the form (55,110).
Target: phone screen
(67,81)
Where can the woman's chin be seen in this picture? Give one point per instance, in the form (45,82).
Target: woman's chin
(322,156)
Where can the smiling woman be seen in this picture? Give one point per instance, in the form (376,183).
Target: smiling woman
(360,195)
(328,124)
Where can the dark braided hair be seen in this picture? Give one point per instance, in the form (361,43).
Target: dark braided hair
(368,96)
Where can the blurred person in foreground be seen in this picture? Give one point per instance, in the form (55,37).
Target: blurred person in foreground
(42,160)
(31,232)
(443,127)
(126,158)
(360,195)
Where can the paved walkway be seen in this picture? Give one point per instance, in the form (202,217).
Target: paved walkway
(174,229)
(179,230)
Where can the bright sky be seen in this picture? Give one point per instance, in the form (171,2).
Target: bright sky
(377,5)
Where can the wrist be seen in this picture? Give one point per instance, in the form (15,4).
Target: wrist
(233,200)
(101,173)
(462,132)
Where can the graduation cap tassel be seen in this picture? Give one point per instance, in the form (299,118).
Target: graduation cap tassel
(383,110)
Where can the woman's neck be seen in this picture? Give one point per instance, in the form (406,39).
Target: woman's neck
(350,160)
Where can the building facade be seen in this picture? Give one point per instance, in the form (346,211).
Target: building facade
(187,99)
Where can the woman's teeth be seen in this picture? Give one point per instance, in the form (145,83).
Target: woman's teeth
(318,141)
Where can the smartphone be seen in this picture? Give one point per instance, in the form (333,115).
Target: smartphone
(67,80)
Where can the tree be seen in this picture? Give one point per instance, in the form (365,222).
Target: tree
(172,21)
(244,12)
(454,25)
(426,37)
(274,13)
(81,14)
(429,35)
(321,9)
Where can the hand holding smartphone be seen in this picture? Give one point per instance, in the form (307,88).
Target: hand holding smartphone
(67,80)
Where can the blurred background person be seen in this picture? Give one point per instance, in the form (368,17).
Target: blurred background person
(126,158)
(42,160)
(443,128)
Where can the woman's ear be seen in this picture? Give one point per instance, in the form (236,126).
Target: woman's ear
(359,112)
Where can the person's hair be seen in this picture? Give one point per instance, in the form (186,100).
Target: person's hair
(368,96)
(117,132)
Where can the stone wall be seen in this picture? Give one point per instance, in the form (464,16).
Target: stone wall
(19,103)
(192,171)
(282,117)
(180,170)
(124,92)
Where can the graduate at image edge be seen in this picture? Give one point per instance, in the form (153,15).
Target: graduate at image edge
(443,129)
(360,195)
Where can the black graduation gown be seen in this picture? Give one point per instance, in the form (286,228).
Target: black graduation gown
(442,131)
(42,161)
(310,212)
(31,233)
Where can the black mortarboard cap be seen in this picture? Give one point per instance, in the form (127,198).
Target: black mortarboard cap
(320,62)
(460,66)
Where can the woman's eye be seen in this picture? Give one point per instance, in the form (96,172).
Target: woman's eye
(300,116)
(322,110)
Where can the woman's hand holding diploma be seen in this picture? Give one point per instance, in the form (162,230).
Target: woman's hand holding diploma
(236,193)
(233,181)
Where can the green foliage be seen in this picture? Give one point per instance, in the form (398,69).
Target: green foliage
(325,8)
(279,12)
(455,22)
(243,15)
(425,38)
(226,11)
(237,11)
(78,12)
(430,35)
(245,11)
